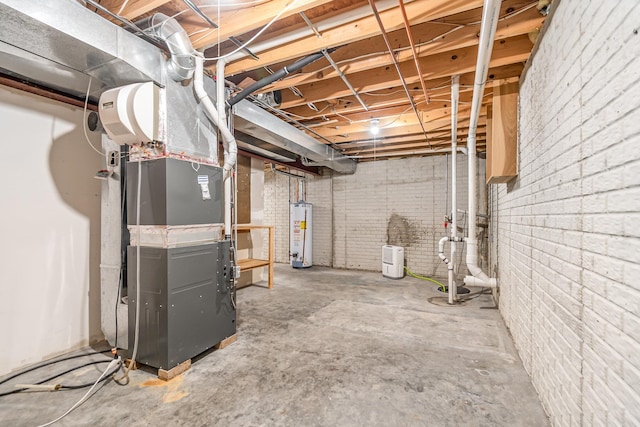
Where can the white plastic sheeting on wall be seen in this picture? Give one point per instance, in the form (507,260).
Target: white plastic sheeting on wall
(50,228)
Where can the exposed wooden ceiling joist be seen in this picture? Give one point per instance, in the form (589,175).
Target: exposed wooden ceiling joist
(365,60)
(237,22)
(414,141)
(402,121)
(394,96)
(407,130)
(435,135)
(133,8)
(359,29)
(445,33)
(509,51)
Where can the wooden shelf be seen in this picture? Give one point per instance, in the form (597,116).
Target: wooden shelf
(251,263)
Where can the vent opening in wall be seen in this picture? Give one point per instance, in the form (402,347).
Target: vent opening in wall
(393,262)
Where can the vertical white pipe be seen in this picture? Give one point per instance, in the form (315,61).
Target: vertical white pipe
(219,119)
(455,97)
(229,144)
(301,197)
(490,14)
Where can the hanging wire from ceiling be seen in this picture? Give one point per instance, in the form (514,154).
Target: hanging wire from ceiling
(254,37)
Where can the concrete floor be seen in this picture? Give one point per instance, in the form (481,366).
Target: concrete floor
(324,347)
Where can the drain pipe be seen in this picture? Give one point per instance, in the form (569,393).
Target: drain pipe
(455,98)
(229,144)
(452,287)
(490,14)
(228,140)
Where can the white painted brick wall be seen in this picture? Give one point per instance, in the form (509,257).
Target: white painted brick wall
(279,190)
(567,231)
(352,212)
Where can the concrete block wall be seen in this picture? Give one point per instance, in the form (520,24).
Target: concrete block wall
(567,250)
(277,196)
(399,202)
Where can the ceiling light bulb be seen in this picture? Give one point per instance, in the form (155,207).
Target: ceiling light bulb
(374,128)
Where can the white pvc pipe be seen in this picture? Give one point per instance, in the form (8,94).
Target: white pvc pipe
(490,14)
(455,98)
(441,249)
(230,146)
(228,140)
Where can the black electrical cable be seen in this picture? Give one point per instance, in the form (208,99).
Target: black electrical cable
(49,363)
(123,256)
(464,242)
(123,220)
(281,73)
(70,387)
(476,294)
(78,386)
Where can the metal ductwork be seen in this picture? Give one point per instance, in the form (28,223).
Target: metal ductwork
(61,44)
(180,64)
(256,122)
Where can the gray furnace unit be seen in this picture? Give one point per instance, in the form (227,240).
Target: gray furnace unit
(186,287)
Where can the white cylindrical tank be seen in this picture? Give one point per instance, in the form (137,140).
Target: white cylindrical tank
(300,242)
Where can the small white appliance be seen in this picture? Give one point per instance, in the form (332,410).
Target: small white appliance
(393,262)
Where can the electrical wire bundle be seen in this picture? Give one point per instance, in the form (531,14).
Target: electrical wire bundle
(46,380)
(114,364)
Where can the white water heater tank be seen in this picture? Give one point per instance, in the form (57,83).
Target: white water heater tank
(300,242)
(393,262)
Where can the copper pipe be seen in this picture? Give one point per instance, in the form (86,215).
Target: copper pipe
(407,27)
(344,79)
(395,63)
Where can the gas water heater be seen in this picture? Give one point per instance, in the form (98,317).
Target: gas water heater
(300,242)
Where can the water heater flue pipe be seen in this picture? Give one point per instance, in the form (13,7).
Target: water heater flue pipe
(490,14)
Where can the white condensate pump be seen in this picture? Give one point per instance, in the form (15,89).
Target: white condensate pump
(393,262)
(300,235)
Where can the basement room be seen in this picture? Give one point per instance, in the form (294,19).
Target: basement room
(320,213)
